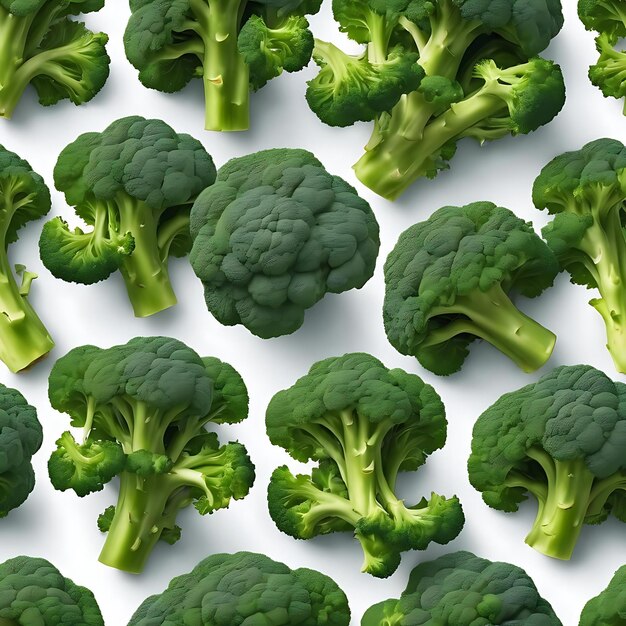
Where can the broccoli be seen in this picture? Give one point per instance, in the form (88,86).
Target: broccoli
(275,234)
(234,46)
(363,424)
(34,593)
(144,407)
(462,589)
(23,197)
(433,72)
(448,282)
(40,45)
(134,184)
(21,437)
(585,190)
(608,18)
(246,588)
(560,439)
(608,608)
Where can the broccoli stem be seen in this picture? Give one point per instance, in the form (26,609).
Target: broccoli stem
(226,74)
(561,517)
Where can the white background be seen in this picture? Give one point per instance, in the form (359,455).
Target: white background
(62,527)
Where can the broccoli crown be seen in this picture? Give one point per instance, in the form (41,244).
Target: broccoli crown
(609,607)
(21,437)
(461,589)
(33,591)
(609,72)
(276,233)
(603,16)
(364,424)
(144,407)
(440,272)
(242,588)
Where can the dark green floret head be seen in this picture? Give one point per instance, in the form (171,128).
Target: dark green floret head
(609,607)
(275,234)
(604,16)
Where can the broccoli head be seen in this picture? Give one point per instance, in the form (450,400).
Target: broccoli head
(433,72)
(609,607)
(60,57)
(363,424)
(560,439)
(234,46)
(275,234)
(585,191)
(134,184)
(461,589)
(33,591)
(144,407)
(24,197)
(246,588)
(448,282)
(21,437)
(608,18)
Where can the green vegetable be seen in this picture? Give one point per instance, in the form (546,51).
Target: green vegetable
(275,234)
(449,281)
(134,184)
(20,437)
(462,589)
(42,46)
(608,608)
(144,407)
(432,73)
(585,190)
(234,46)
(246,588)
(608,18)
(23,197)
(562,441)
(34,593)
(363,424)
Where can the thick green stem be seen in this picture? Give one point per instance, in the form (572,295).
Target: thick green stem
(561,518)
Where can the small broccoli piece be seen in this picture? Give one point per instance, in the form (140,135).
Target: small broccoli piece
(21,437)
(40,45)
(246,588)
(363,424)
(561,440)
(465,590)
(233,46)
(23,197)
(134,184)
(609,607)
(585,191)
(608,18)
(33,591)
(144,407)
(275,234)
(449,280)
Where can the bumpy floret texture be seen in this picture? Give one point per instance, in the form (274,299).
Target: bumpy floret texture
(246,588)
(275,234)
(609,607)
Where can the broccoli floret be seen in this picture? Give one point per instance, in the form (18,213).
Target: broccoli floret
(465,590)
(233,46)
(144,407)
(23,197)
(40,45)
(21,437)
(363,424)
(608,18)
(134,184)
(609,607)
(561,440)
(33,591)
(246,588)
(275,234)
(585,190)
(449,280)
(434,72)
